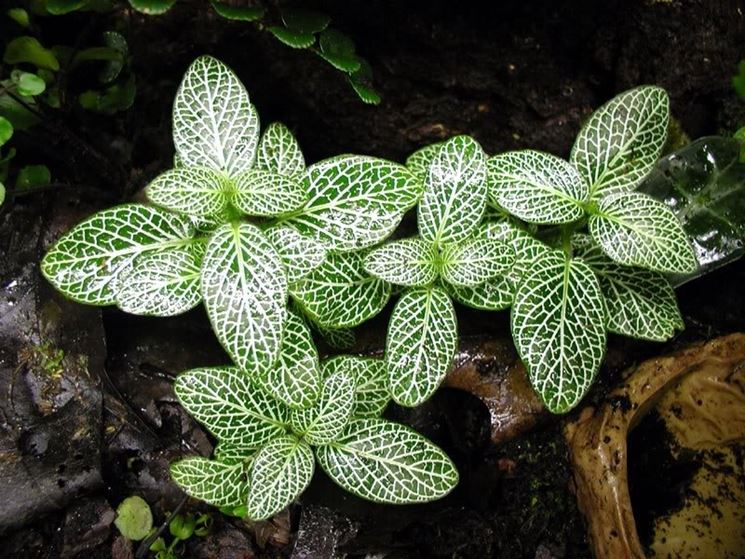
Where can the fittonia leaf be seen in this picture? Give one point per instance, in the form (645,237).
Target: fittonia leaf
(558,325)
(216,483)
(267,193)
(455,192)
(537,187)
(197,191)
(475,261)
(279,152)
(324,422)
(637,230)
(280,472)
(622,140)
(300,255)
(245,290)
(355,201)
(419,161)
(211,129)
(386,462)
(371,393)
(406,262)
(84,263)
(295,379)
(421,343)
(339,293)
(224,400)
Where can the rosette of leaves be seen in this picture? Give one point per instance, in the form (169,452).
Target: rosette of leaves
(611,278)
(267,451)
(239,224)
(449,253)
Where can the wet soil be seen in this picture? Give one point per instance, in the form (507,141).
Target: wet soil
(516,74)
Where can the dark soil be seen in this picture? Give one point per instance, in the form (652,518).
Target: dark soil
(514,74)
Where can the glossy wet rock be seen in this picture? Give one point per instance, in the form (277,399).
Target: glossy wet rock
(699,395)
(51,358)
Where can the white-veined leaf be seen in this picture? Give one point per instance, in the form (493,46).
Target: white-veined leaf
(84,263)
(639,303)
(324,422)
(636,230)
(355,201)
(421,343)
(339,293)
(219,484)
(198,191)
(455,192)
(230,407)
(622,140)
(163,283)
(387,462)
(279,152)
(300,254)
(295,379)
(214,123)
(280,472)
(536,187)
(338,338)
(371,395)
(419,161)
(497,293)
(232,453)
(245,292)
(558,326)
(406,262)
(266,193)
(475,261)
(208,223)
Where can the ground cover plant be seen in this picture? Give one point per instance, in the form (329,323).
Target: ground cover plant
(275,249)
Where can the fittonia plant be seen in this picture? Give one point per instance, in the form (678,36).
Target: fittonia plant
(243,226)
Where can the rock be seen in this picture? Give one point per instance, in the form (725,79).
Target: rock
(87,525)
(699,393)
(227,543)
(51,358)
(322,532)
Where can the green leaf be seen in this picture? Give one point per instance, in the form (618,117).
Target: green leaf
(371,395)
(475,261)
(338,50)
(406,262)
(198,191)
(337,338)
(33,176)
(232,453)
(558,326)
(2,193)
(182,527)
(339,293)
(455,189)
(536,187)
(280,473)
(295,380)
(114,66)
(214,123)
(300,255)
(61,7)
(419,161)
(637,230)
(362,83)
(133,518)
(305,21)
(497,294)
(20,16)
(221,485)
(30,84)
(245,291)
(115,98)
(355,201)
(265,193)
(279,152)
(6,130)
(238,13)
(28,49)
(291,37)
(640,303)
(421,343)
(622,141)
(324,421)
(164,283)
(224,400)
(704,185)
(386,462)
(84,263)
(152,7)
